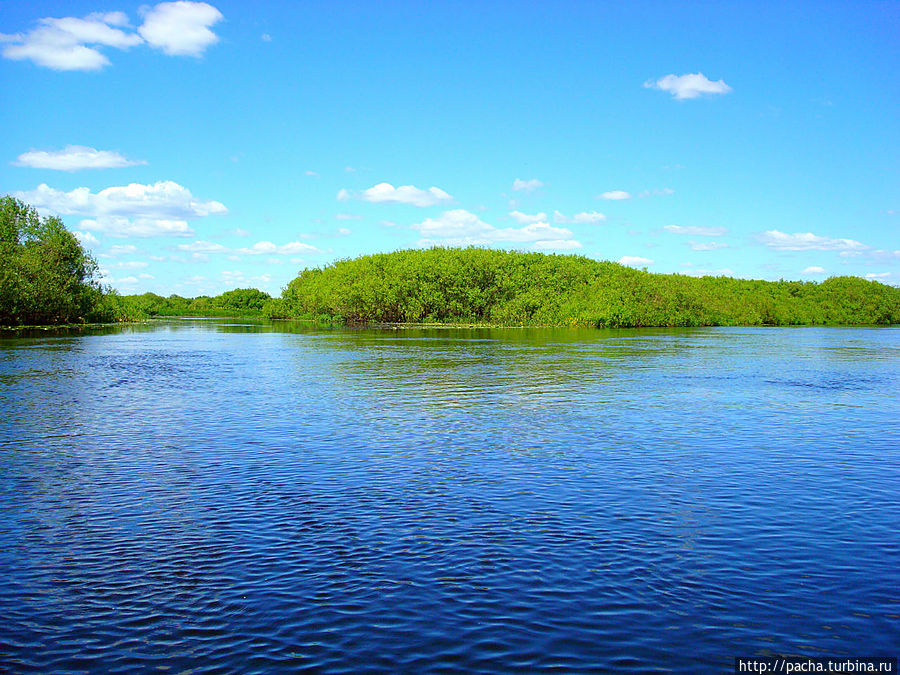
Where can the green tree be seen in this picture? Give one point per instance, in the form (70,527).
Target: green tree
(45,275)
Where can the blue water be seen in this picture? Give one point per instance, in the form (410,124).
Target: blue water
(207,496)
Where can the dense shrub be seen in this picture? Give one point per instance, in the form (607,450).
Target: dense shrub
(491,286)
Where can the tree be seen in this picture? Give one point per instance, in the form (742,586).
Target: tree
(45,275)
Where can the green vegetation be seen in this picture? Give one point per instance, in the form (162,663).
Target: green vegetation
(47,278)
(45,275)
(247,302)
(475,285)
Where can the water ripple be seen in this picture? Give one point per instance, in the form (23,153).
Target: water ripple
(201,500)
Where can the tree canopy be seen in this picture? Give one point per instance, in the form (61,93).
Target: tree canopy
(45,275)
(506,287)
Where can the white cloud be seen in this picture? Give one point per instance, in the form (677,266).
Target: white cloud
(311,173)
(404,194)
(688,86)
(557,245)
(203,247)
(808,241)
(525,218)
(161,200)
(530,185)
(634,261)
(878,275)
(343,195)
(180,28)
(86,238)
(696,231)
(134,210)
(348,216)
(74,158)
(267,247)
(463,228)
(721,272)
(265,37)
(120,226)
(588,217)
(122,249)
(131,265)
(615,195)
(707,245)
(815,269)
(236,277)
(656,193)
(583,218)
(70,43)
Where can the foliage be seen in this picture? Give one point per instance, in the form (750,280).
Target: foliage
(501,287)
(45,275)
(237,302)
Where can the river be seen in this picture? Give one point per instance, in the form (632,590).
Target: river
(239,496)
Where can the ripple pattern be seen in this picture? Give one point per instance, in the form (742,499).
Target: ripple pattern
(210,497)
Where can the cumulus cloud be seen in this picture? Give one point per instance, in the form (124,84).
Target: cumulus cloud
(463,228)
(70,43)
(707,245)
(267,247)
(203,247)
(557,245)
(696,231)
(259,248)
(656,193)
(814,269)
(721,272)
(688,86)
(525,218)
(529,185)
(134,210)
(122,249)
(615,195)
(583,218)
(588,217)
(163,199)
(634,261)
(86,238)
(74,158)
(807,241)
(404,194)
(180,28)
(120,226)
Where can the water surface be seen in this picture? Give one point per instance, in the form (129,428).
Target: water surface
(230,496)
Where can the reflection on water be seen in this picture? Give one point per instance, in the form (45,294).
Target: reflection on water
(238,496)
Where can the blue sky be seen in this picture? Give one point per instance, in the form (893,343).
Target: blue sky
(200,147)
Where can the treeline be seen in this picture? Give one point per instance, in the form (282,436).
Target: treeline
(45,275)
(47,278)
(499,287)
(248,302)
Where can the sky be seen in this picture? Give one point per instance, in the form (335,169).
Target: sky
(198,147)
